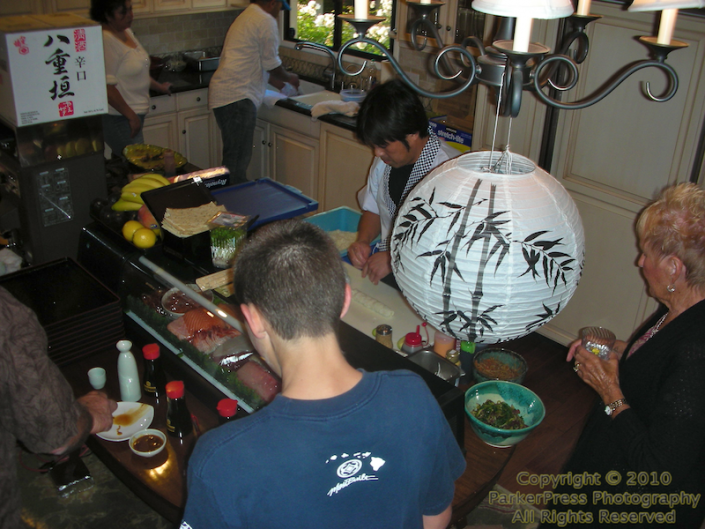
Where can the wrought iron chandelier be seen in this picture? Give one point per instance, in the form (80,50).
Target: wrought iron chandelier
(512,64)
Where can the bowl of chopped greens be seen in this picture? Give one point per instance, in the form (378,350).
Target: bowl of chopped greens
(503,413)
(499,364)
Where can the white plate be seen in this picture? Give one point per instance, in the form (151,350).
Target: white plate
(139,417)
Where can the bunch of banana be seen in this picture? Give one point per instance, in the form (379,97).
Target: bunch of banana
(131,194)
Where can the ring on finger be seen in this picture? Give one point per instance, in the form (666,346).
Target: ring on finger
(576,368)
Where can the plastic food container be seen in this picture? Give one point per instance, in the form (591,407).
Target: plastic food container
(228,231)
(353,94)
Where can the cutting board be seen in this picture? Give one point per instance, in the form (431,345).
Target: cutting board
(404,320)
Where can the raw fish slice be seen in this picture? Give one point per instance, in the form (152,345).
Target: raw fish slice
(254,376)
(201,319)
(202,329)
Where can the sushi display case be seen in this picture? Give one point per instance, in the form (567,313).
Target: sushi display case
(203,340)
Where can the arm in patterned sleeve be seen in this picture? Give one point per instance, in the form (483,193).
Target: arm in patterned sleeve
(38,406)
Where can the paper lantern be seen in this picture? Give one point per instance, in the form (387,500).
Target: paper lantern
(488,256)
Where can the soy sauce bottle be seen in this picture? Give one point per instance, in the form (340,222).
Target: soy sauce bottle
(153,379)
(227,409)
(178,418)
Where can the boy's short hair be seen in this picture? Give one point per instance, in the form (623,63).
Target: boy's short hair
(390,112)
(292,272)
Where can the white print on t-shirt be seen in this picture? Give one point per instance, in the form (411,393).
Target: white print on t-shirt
(350,467)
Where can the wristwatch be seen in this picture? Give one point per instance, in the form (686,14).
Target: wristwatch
(609,409)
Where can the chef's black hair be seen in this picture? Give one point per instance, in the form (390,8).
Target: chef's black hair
(292,272)
(390,112)
(100,9)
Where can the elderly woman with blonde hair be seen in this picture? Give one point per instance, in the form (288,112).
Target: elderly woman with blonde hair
(643,445)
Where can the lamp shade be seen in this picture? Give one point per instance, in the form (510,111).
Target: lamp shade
(488,257)
(545,9)
(660,5)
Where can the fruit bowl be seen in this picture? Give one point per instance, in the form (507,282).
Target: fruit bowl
(530,407)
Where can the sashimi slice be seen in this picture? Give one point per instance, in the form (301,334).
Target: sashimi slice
(255,377)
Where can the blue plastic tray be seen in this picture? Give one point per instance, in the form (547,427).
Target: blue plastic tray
(342,218)
(266,198)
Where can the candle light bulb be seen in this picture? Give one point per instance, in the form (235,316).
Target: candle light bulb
(522,33)
(361,9)
(667,26)
(583,7)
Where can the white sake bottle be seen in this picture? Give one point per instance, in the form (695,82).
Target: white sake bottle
(127,373)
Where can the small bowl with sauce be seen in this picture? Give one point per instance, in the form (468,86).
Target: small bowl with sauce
(176,303)
(148,443)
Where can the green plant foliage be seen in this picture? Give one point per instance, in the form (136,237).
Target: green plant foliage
(315,25)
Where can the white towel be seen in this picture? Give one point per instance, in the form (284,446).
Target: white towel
(271,97)
(349,108)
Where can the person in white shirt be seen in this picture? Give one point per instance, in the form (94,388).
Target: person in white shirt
(392,121)
(127,75)
(250,59)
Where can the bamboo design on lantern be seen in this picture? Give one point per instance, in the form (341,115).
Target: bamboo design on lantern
(543,261)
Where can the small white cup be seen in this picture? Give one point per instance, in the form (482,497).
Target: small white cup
(96,376)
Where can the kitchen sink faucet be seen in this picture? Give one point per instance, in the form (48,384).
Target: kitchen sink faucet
(321,47)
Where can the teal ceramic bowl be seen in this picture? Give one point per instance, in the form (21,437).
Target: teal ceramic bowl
(526,401)
(512,366)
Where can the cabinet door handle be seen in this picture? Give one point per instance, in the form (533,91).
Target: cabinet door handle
(448,28)
(154,107)
(198,99)
(264,142)
(269,144)
(183,132)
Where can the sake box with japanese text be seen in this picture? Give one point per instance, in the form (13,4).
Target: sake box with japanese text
(51,69)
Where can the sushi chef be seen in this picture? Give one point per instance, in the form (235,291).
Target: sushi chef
(392,121)
(37,406)
(339,447)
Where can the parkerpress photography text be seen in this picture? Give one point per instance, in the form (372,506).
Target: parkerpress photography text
(639,480)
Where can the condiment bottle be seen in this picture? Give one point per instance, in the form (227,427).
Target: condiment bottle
(153,379)
(453,356)
(169,163)
(442,343)
(383,334)
(128,375)
(178,418)
(412,342)
(227,409)
(467,347)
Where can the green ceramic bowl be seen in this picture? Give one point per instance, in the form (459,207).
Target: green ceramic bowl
(526,401)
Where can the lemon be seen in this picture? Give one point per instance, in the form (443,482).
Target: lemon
(129,229)
(144,238)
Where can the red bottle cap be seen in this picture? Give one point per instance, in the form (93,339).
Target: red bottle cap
(413,339)
(227,407)
(175,389)
(151,351)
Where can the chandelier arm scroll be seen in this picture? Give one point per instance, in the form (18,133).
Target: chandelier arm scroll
(413,32)
(425,93)
(607,89)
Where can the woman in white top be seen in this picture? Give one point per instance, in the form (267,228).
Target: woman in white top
(127,74)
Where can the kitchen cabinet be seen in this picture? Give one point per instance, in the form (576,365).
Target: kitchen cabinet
(161,125)
(183,123)
(343,167)
(27,7)
(259,163)
(324,161)
(194,120)
(80,7)
(139,7)
(294,160)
